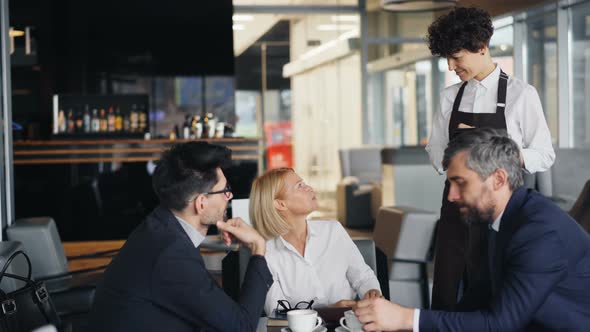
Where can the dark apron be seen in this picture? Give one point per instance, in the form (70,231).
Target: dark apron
(458,247)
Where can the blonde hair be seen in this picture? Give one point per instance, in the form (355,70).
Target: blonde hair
(263,214)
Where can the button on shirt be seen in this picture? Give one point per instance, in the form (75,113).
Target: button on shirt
(525,120)
(331,270)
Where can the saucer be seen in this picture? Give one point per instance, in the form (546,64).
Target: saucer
(320,328)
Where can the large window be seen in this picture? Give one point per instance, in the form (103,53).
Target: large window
(580,27)
(409,104)
(542,64)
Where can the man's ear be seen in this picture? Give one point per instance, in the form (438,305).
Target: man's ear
(500,178)
(200,203)
(279,204)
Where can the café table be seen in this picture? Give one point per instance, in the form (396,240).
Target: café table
(263,328)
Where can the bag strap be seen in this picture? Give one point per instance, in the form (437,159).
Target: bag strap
(43,301)
(9,261)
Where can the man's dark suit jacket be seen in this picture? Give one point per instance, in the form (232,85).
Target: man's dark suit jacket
(158,282)
(540,277)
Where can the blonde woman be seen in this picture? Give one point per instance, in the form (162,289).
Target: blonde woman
(309,260)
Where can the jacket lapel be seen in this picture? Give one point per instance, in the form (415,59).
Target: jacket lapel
(510,222)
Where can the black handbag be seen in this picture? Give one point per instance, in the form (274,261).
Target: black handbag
(28,307)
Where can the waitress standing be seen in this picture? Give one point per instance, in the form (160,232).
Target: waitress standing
(486,97)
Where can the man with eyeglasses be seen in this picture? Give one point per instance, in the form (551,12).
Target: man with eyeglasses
(158,281)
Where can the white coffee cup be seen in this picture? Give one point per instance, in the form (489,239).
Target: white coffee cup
(303,320)
(350,322)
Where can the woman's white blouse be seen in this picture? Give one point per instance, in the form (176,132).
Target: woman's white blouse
(332,269)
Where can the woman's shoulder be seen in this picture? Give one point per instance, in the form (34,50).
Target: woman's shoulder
(327,228)
(325,224)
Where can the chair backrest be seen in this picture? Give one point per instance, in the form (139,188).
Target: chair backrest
(18,265)
(42,243)
(569,173)
(363,163)
(367,249)
(354,203)
(404,233)
(581,209)
(410,180)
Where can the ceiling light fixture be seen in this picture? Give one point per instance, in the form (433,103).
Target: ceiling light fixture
(238,27)
(336,27)
(345,18)
(242,18)
(416,5)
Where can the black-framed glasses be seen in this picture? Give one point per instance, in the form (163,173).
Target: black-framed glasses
(226,191)
(283,306)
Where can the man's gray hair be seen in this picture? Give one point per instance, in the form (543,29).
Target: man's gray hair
(487,150)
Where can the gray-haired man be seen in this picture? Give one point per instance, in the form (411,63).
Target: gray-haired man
(537,268)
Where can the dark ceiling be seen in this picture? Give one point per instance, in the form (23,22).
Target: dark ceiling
(173,37)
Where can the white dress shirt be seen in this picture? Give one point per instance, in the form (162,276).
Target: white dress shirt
(496,227)
(331,270)
(525,120)
(196,237)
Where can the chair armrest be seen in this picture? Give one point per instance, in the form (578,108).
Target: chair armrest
(214,242)
(70,274)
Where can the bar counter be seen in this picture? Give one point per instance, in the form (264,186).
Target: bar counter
(98,190)
(115,150)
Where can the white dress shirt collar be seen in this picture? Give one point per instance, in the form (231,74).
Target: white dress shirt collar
(489,81)
(196,237)
(311,231)
(496,224)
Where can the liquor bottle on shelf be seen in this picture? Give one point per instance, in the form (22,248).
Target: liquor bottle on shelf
(61,121)
(86,119)
(126,123)
(196,127)
(142,118)
(212,125)
(79,122)
(118,120)
(186,127)
(71,124)
(95,121)
(205,131)
(134,119)
(103,120)
(176,131)
(111,120)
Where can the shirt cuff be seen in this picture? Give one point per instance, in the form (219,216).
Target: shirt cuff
(416,327)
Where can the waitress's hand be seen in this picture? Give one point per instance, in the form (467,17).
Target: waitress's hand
(372,294)
(464,126)
(344,304)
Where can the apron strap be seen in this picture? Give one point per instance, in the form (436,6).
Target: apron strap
(502,87)
(457,101)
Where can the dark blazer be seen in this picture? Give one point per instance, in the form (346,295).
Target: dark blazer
(158,282)
(540,276)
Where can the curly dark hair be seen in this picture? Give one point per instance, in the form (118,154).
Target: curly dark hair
(462,28)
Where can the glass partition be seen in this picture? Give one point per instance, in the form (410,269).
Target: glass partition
(580,27)
(542,64)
